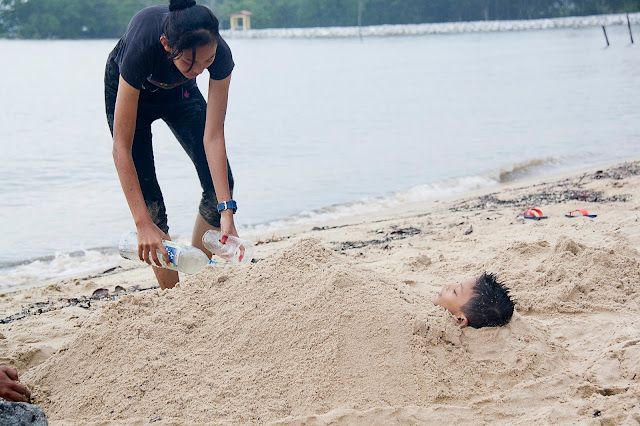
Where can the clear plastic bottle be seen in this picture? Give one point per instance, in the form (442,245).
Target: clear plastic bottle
(234,250)
(183,258)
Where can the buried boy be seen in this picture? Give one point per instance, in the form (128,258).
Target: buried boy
(477,302)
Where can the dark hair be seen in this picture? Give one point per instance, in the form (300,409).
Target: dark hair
(490,305)
(189,26)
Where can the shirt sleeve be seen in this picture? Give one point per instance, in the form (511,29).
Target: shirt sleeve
(223,63)
(136,67)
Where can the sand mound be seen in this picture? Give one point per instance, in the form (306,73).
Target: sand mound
(300,333)
(569,276)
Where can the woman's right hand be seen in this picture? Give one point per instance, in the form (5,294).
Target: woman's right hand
(149,242)
(227,226)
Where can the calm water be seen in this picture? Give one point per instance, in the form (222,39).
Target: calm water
(315,128)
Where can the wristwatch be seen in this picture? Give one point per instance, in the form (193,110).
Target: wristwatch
(228,205)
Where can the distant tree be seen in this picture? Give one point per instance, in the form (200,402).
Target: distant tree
(67,18)
(109,18)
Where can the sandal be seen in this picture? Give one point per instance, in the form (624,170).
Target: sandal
(583,211)
(533,213)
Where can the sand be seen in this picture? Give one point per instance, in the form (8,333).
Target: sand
(336,325)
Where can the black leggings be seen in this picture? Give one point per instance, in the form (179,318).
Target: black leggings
(184,110)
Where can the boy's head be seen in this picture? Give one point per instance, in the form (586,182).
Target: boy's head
(477,302)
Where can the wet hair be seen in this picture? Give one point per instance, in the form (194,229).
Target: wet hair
(189,26)
(490,305)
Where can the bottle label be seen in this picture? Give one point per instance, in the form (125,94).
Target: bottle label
(173,249)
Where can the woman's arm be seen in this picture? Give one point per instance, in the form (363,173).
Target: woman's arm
(215,148)
(124,127)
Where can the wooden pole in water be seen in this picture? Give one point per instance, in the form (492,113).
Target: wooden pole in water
(360,19)
(629,26)
(604,30)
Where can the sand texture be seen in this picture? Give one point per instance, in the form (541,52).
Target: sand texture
(336,325)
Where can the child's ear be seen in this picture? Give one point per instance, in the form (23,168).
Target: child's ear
(462,321)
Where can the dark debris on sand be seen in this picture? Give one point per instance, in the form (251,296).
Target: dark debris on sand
(394,234)
(84,302)
(620,172)
(558,192)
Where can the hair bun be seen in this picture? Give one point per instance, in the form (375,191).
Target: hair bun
(180,4)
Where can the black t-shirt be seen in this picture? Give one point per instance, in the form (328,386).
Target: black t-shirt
(144,63)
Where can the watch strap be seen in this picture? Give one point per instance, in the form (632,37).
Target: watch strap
(227,205)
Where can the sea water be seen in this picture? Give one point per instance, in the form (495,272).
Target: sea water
(316,129)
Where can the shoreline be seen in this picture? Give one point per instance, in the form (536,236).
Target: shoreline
(410,211)
(453,27)
(414,208)
(258,234)
(438,28)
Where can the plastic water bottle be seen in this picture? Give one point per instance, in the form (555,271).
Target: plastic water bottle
(234,250)
(183,258)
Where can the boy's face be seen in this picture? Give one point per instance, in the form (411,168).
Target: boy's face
(454,296)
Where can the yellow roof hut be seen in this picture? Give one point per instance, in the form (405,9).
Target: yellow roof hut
(245,15)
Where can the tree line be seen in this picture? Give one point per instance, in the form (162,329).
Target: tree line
(73,19)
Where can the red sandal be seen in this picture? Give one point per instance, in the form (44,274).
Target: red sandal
(533,213)
(583,211)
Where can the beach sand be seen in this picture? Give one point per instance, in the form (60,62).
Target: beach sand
(336,325)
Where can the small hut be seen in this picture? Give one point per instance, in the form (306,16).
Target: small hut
(245,15)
